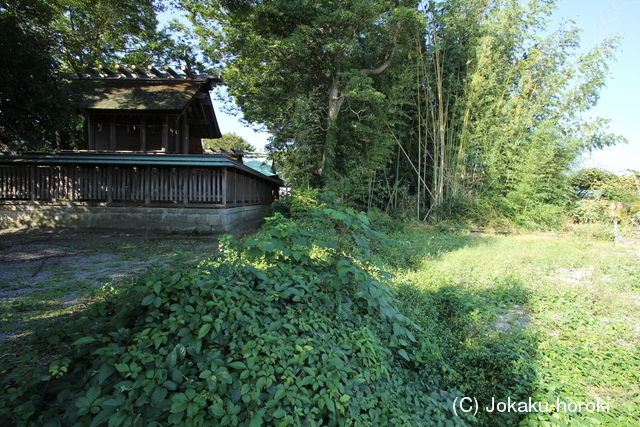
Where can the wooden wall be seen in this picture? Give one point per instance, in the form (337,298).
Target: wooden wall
(134,185)
(139,133)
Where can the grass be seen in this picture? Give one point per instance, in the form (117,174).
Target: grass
(572,305)
(29,310)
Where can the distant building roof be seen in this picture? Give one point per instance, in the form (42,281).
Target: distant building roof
(259,162)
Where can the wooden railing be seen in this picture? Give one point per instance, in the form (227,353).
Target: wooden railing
(142,185)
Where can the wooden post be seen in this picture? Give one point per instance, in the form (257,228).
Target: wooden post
(143,134)
(113,143)
(91,135)
(184,134)
(71,173)
(224,187)
(165,134)
(147,185)
(185,185)
(33,182)
(109,185)
(235,187)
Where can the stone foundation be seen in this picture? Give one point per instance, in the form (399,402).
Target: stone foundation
(165,219)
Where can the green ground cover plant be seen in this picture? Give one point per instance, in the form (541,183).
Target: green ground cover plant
(297,326)
(328,316)
(44,289)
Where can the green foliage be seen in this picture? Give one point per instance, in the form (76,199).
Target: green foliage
(298,202)
(296,326)
(38,107)
(536,316)
(493,116)
(27,119)
(523,97)
(90,33)
(85,33)
(229,141)
(606,196)
(314,74)
(299,326)
(589,210)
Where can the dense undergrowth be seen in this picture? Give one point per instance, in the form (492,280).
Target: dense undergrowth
(303,325)
(296,326)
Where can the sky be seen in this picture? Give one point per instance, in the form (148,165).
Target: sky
(619,100)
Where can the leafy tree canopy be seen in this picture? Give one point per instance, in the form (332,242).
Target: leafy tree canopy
(298,67)
(501,110)
(35,103)
(94,32)
(39,108)
(229,141)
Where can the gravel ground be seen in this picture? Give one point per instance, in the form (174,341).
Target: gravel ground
(36,260)
(52,269)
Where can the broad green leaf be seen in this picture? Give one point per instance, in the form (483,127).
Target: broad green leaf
(117,419)
(179,403)
(254,252)
(218,410)
(268,246)
(122,367)
(279,413)
(148,300)
(204,330)
(84,341)
(238,365)
(159,394)
(175,278)
(338,215)
(93,393)
(192,409)
(170,385)
(102,417)
(105,372)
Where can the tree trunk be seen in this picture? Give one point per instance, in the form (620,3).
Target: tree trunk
(335,103)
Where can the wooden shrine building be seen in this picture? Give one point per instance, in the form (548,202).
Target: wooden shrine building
(149,111)
(144,168)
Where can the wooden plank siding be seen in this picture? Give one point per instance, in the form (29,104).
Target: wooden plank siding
(135,185)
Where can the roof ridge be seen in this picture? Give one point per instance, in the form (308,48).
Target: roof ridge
(137,73)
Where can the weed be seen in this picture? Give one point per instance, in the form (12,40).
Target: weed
(10,285)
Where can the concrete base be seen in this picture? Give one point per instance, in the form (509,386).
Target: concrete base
(165,219)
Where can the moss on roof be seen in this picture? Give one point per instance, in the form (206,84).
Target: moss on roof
(142,95)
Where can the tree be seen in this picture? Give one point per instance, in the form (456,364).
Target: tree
(308,71)
(94,32)
(229,141)
(35,103)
